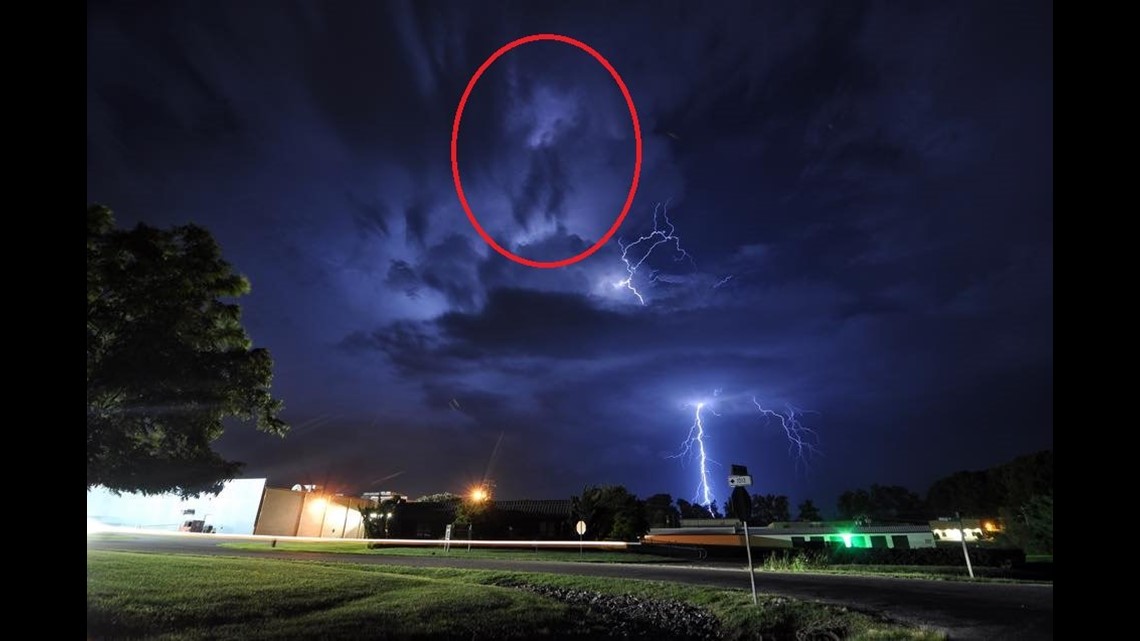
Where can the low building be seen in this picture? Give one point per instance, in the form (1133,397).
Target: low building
(244,506)
(234,510)
(951,530)
(291,513)
(729,533)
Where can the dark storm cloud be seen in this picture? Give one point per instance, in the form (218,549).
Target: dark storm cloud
(447,268)
(865,193)
(370,217)
(543,190)
(416,221)
(401,276)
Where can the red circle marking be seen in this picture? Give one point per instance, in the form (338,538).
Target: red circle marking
(455,155)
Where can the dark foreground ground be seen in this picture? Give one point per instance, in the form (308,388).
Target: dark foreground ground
(962,610)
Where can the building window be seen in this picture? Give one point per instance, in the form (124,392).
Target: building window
(900,541)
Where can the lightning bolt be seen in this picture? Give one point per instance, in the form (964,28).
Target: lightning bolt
(801,439)
(694,447)
(635,253)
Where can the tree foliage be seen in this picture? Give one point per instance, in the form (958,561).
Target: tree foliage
(378,518)
(986,492)
(693,510)
(611,512)
(882,504)
(769,508)
(809,512)
(167,359)
(1030,527)
(660,511)
(1020,491)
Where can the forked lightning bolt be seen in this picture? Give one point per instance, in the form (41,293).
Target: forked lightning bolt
(635,253)
(694,447)
(801,440)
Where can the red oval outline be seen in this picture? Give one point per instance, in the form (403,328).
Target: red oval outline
(455,151)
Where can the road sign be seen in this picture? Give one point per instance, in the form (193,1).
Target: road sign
(580,528)
(740,481)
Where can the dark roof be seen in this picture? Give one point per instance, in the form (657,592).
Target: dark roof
(794,531)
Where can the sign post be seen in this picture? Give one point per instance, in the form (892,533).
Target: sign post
(581,529)
(965,550)
(447,538)
(742,505)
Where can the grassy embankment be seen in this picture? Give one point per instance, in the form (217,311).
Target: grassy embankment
(132,595)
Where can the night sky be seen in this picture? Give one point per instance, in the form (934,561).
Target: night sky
(876,179)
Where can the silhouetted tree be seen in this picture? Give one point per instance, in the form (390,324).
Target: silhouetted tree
(809,512)
(611,512)
(377,517)
(660,512)
(769,508)
(854,505)
(714,511)
(1031,526)
(693,510)
(882,504)
(987,492)
(167,359)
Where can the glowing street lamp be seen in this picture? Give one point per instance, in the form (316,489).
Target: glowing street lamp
(479,494)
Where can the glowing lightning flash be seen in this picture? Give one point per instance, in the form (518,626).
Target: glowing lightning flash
(801,440)
(660,235)
(697,438)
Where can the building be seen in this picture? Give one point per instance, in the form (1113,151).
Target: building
(233,511)
(729,533)
(950,530)
(293,513)
(244,506)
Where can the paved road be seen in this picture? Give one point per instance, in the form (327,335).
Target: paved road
(962,610)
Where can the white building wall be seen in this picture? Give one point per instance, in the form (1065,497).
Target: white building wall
(232,511)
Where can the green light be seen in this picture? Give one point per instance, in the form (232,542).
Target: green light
(846,536)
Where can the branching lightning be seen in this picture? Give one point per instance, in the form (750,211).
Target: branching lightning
(802,440)
(722,282)
(694,447)
(635,253)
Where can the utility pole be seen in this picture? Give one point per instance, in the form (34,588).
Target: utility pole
(742,507)
(965,550)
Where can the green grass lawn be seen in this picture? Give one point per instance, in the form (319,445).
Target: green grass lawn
(132,595)
(458,551)
(935,572)
(931,572)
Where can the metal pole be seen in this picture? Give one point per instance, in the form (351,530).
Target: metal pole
(751,570)
(579,545)
(965,551)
